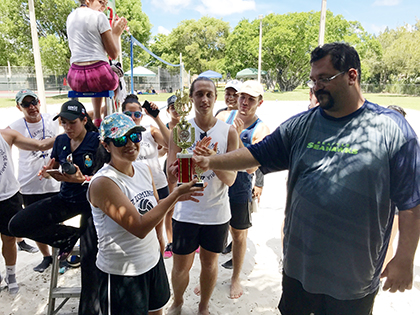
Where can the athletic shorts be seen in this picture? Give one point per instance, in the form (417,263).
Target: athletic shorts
(163,192)
(134,294)
(8,209)
(296,301)
(30,199)
(96,77)
(188,236)
(241,215)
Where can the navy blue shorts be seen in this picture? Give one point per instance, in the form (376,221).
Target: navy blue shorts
(188,236)
(8,208)
(296,301)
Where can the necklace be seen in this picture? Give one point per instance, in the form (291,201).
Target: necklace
(43,155)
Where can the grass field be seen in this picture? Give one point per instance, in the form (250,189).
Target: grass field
(300,94)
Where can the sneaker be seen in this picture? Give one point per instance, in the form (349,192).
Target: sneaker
(66,250)
(73,261)
(12,285)
(27,248)
(168,251)
(45,263)
(228,264)
(64,266)
(227,249)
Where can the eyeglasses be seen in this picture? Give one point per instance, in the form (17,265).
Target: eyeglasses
(312,83)
(137,114)
(122,141)
(28,104)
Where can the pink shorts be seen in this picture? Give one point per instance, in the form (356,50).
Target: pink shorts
(96,77)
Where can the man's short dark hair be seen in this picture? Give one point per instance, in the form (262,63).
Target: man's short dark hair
(201,79)
(343,56)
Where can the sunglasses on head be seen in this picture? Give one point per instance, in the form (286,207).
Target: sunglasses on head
(137,114)
(28,104)
(135,137)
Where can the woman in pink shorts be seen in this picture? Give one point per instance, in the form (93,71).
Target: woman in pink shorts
(91,39)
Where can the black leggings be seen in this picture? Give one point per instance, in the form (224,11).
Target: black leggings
(40,222)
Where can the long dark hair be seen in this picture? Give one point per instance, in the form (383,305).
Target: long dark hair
(89,126)
(102,156)
(131,98)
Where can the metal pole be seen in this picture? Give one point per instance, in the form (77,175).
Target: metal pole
(37,57)
(181,65)
(322,23)
(131,64)
(259,49)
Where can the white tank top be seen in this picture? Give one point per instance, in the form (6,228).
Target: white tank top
(31,162)
(119,251)
(9,185)
(149,154)
(213,207)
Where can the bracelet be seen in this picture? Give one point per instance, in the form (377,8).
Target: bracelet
(87,180)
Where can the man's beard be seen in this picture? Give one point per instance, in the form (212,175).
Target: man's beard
(325,99)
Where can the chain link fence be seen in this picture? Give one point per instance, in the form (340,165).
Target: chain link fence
(407,89)
(15,78)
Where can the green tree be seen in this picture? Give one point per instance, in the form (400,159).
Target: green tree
(287,42)
(202,44)
(139,26)
(401,55)
(51,15)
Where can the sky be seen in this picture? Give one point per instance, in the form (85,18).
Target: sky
(374,15)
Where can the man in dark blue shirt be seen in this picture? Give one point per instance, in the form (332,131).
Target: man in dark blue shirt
(347,159)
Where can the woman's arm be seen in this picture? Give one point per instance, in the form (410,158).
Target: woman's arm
(106,195)
(111,37)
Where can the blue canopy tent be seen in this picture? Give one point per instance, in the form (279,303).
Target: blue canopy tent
(210,74)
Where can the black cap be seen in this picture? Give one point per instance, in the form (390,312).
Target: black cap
(171,100)
(71,110)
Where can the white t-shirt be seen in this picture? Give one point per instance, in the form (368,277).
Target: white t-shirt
(84,29)
(149,154)
(119,251)
(213,207)
(9,185)
(31,162)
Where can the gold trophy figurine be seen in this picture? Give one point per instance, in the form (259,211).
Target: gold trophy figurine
(184,137)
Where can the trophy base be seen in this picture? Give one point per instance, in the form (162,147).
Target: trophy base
(198,184)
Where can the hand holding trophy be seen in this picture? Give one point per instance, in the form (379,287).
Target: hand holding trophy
(184,137)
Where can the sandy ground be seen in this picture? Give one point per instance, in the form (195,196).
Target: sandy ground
(261,273)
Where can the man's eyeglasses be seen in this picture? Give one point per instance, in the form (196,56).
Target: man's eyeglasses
(312,83)
(122,141)
(137,114)
(28,104)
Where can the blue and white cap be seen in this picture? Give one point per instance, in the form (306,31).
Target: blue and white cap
(117,125)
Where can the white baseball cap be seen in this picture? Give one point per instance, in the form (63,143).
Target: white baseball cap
(252,88)
(234,84)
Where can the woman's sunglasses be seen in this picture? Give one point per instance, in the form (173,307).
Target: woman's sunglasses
(28,104)
(137,114)
(122,141)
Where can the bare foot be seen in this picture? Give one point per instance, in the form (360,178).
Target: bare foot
(236,290)
(174,310)
(197,290)
(203,310)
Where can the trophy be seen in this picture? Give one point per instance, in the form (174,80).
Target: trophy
(184,137)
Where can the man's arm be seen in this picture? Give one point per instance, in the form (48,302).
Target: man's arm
(399,271)
(228,176)
(14,137)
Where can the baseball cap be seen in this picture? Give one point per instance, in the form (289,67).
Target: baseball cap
(117,125)
(171,100)
(234,84)
(252,88)
(24,93)
(71,110)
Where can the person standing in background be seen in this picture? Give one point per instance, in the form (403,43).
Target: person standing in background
(39,126)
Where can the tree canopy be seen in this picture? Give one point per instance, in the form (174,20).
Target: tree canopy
(202,44)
